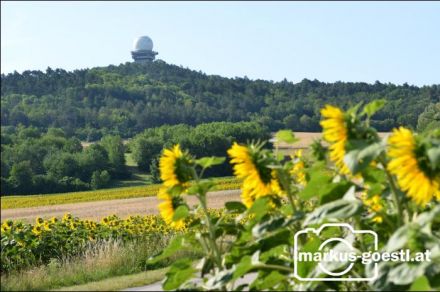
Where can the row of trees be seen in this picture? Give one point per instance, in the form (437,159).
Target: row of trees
(34,162)
(49,162)
(126,99)
(430,118)
(212,139)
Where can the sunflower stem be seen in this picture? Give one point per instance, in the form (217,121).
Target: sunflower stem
(396,199)
(202,198)
(211,228)
(292,203)
(393,192)
(273,267)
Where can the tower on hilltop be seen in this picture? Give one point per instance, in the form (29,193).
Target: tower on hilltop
(143,50)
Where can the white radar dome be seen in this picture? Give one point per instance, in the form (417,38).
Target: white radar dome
(143,43)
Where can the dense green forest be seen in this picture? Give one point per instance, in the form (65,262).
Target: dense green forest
(35,162)
(126,99)
(50,162)
(211,139)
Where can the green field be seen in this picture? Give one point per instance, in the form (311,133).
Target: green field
(11,202)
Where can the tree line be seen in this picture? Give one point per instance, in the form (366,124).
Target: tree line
(210,139)
(49,162)
(37,162)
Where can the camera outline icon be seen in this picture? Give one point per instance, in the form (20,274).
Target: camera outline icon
(342,240)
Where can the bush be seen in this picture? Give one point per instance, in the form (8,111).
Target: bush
(99,179)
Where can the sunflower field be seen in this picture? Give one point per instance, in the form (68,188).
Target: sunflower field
(12,202)
(25,245)
(362,194)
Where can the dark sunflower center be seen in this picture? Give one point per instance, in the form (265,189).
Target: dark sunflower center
(176,201)
(423,162)
(260,164)
(183,169)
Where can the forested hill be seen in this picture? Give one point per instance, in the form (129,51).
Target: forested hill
(128,98)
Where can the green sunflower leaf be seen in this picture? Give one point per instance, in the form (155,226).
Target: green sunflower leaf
(235,207)
(371,108)
(201,187)
(286,136)
(244,266)
(434,157)
(359,158)
(421,284)
(340,209)
(179,273)
(207,162)
(260,207)
(181,213)
(319,179)
(333,191)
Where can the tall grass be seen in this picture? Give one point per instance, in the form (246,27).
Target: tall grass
(101,261)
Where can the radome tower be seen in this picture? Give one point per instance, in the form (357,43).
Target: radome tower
(143,50)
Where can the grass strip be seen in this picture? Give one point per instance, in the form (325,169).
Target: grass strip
(121,282)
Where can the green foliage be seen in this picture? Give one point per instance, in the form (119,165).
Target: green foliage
(211,139)
(429,119)
(99,179)
(35,162)
(154,170)
(124,100)
(26,245)
(365,210)
(374,106)
(286,136)
(21,175)
(116,155)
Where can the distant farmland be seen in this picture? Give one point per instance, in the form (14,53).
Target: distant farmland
(305,140)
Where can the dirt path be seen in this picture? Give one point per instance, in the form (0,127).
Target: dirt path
(246,279)
(99,209)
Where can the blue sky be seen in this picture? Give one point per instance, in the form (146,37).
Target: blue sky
(331,41)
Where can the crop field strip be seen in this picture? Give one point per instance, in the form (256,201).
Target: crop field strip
(13,202)
(120,207)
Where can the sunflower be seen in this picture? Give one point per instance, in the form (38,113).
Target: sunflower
(37,230)
(336,134)
(258,180)
(375,205)
(39,221)
(167,208)
(46,226)
(415,181)
(6,226)
(297,170)
(67,217)
(174,167)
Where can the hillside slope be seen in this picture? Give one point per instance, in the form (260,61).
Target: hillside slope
(128,98)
